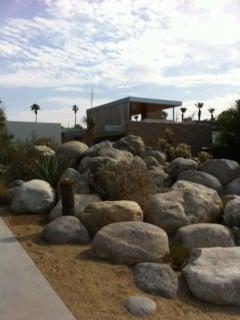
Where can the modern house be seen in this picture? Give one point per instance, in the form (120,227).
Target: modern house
(28,131)
(113,117)
(117,118)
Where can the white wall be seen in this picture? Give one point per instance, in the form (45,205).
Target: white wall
(27,131)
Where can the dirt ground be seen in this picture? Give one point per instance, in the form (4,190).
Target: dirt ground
(95,290)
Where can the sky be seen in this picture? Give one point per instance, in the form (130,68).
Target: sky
(52,52)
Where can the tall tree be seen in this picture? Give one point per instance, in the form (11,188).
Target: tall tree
(35,108)
(211,111)
(229,126)
(199,105)
(75,110)
(183,110)
(163,115)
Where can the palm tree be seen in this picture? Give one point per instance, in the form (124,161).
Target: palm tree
(35,108)
(211,110)
(183,110)
(75,110)
(199,105)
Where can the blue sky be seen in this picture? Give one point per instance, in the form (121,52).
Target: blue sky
(53,51)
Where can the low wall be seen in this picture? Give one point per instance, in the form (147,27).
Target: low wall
(27,131)
(197,135)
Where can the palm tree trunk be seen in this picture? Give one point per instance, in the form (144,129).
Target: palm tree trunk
(182,116)
(75,119)
(35,116)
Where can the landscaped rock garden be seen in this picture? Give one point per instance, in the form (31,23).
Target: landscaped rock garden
(135,208)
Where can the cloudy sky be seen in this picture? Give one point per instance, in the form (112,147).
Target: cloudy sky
(53,51)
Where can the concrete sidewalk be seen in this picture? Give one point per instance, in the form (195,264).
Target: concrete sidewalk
(24,292)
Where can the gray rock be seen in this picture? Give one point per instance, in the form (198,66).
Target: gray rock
(73,149)
(150,161)
(233,187)
(179,165)
(99,214)
(65,229)
(224,170)
(131,143)
(231,214)
(81,201)
(160,156)
(213,275)
(140,306)
(93,163)
(205,235)
(184,204)
(156,278)
(130,243)
(202,178)
(118,155)
(94,150)
(34,196)
(80,184)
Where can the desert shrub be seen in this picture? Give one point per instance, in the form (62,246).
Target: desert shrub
(46,142)
(182,150)
(124,181)
(177,257)
(204,156)
(5,196)
(167,144)
(50,169)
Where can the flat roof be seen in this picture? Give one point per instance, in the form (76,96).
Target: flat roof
(162,102)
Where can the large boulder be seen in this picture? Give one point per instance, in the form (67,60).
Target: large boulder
(232,187)
(231,214)
(179,165)
(131,243)
(202,178)
(100,214)
(205,235)
(94,150)
(116,154)
(92,164)
(34,196)
(131,143)
(65,229)
(160,156)
(139,306)
(81,201)
(150,161)
(43,151)
(184,204)
(213,275)
(224,170)
(80,184)
(156,278)
(72,149)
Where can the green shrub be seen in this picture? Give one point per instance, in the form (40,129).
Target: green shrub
(182,150)
(124,181)
(177,257)
(204,156)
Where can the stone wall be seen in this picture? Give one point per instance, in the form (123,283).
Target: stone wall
(197,135)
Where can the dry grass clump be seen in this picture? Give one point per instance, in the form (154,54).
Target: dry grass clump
(204,156)
(124,181)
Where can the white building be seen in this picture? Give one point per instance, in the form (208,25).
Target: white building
(27,131)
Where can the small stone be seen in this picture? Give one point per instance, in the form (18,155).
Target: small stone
(139,306)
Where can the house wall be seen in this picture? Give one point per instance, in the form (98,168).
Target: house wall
(27,131)
(197,135)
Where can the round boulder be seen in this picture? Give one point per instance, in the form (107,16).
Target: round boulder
(131,243)
(202,178)
(231,214)
(65,229)
(224,170)
(233,187)
(184,204)
(34,196)
(94,150)
(100,214)
(139,306)
(205,235)
(72,149)
(131,143)
(156,278)
(179,165)
(213,275)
